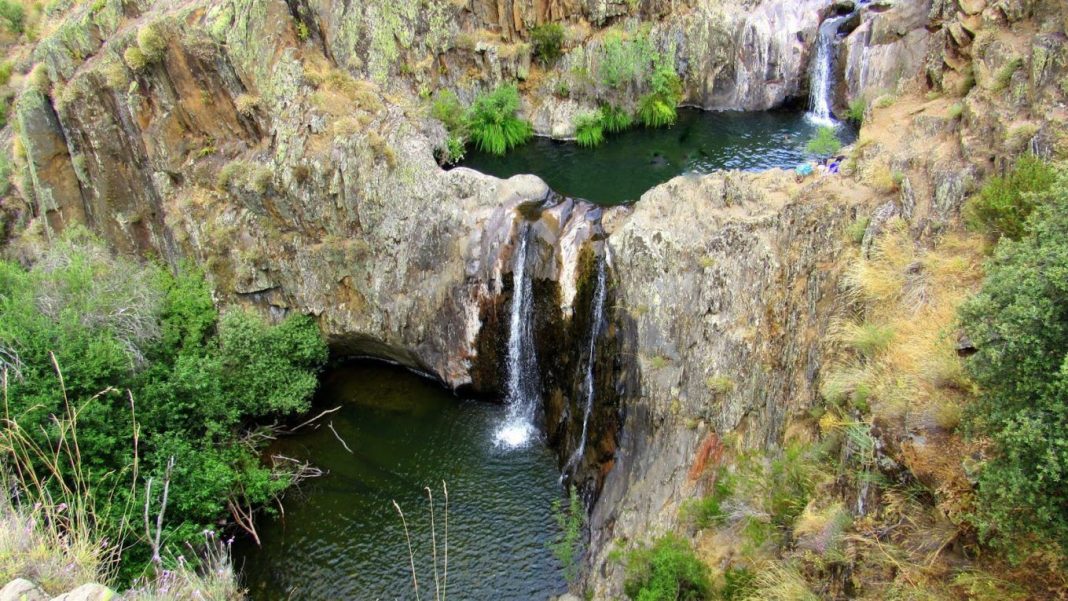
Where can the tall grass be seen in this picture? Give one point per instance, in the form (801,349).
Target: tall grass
(441,579)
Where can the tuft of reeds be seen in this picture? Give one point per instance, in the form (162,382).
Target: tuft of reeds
(441,579)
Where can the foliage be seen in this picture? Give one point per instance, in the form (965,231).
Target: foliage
(667,571)
(624,61)
(135,59)
(195,384)
(547,40)
(13,14)
(824,142)
(568,544)
(1003,204)
(857,109)
(589,128)
(615,119)
(1019,324)
(658,107)
(493,123)
(446,108)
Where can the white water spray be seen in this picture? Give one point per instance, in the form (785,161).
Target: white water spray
(596,324)
(821,78)
(522,363)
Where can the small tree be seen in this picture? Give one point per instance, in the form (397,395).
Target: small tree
(548,41)
(824,143)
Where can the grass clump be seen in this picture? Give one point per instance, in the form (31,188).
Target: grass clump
(493,124)
(151,43)
(856,230)
(615,119)
(824,142)
(13,15)
(955,110)
(547,41)
(658,107)
(866,339)
(666,571)
(1002,206)
(589,128)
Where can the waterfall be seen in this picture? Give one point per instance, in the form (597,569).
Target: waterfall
(821,79)
(596,324)
(522,363)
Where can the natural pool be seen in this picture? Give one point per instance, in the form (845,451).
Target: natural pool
(628,164)
(341,538)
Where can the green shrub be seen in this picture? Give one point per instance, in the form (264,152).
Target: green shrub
(856,111)
(624,61)
(568,544)
(547,41)
(1019,324)
(493,123)
(589,129)
(1003,204)
(615,119)
(195,382)
(857,229)
(667,571)
(824,142)
(955,110)
(658,107)
(13,15)
(448,109)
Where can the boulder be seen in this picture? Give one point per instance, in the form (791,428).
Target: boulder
(21,589)
(88,592)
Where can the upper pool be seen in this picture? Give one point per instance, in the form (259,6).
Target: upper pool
(628,164)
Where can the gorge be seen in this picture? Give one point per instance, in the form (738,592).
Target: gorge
(674,323)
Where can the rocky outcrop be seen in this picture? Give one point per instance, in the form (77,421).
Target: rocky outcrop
(726,286)
(889,46)
(21,589)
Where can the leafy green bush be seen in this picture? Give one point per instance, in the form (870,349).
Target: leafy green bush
(447,108)
(13,15)
(667,571)
(1003,204)
(589,129)
(624,61)
(492,121)
(824,142)
(856,111)
(658,107)
(547,41)
(196,383)
(1019,324)
(615,119)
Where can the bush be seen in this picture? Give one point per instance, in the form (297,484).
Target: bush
(824,142)
(135,59)
(547,40)
(196,384)
(493,123)
(1019,324)
(615,119)
(667,571)
(589,129)
(1003,204)
(657,108)
(856,111)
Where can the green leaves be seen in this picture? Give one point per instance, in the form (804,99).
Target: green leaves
(1019,324)
(197,382)
(1001,208)
(547,41)
(493,123)
(658,107)
(589,129)
(824,143)
(667,571)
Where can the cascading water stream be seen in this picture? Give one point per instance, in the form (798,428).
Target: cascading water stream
(821,79)
(522,363)
(596,324)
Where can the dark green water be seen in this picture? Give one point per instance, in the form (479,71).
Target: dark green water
(628,164)
(341,538)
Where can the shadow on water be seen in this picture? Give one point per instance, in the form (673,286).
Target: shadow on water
(341,538)
(628,164)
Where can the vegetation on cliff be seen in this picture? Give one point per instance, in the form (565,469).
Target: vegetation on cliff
(160,397)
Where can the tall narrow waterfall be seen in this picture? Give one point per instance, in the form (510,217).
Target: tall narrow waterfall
(596,325)
(821,77)
(522,364)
